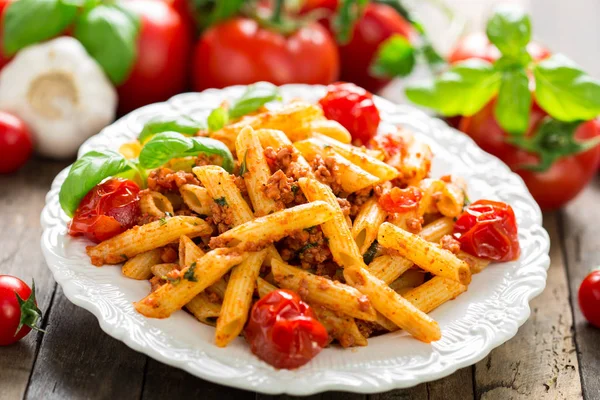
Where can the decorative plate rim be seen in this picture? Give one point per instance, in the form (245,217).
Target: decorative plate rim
(492,323)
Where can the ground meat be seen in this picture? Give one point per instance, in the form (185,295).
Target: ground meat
(155,283)
(284,190)
(164,180)
(282,158)
(414,225)
(367,328)
(221,217)
(146,219)
(168,255)
(327,171)
(357,199)
(345,206)
(449,243)
(309,246)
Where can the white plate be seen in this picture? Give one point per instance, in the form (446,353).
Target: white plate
(496,304)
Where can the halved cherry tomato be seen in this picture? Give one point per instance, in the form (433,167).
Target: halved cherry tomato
(401,200)
(16,318)
(589,298)
(284,331)
(353,107)
(488,229)
(108,209)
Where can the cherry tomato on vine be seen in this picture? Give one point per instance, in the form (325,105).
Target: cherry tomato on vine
(284,331)
(353,107)
(18,310)
(488,229)
(163,52)
(477,45)
(401,200)
(589,298)
(240,51)
(108,209)
(551,188)
(16,144)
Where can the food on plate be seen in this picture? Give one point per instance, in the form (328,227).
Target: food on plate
(19,313)
(537,112)
(16,144)
(265,200)
(589,298)
(60,92)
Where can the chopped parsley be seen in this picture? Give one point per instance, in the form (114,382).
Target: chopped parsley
(189,274)
(307,246)
(172,281)
(162,221)
(295,189)
(221,201)
(371,252)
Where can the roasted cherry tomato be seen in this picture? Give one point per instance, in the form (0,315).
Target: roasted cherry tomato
(589,298)
(488,229)
(401,200)
(163,54)
(477,45)
(18,310)
(15,143)
(353,107)
(284,331)
(108,209)
(241,51)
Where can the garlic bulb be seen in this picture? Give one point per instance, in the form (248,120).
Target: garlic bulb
(60,92)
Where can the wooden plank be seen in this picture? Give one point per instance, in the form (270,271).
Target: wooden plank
(457,386)
(418,392)
(21,201)
(165,382)
(78,361)
(581,231)
(540,362)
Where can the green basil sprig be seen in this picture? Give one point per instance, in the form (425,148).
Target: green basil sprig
(168,145)
(180,124)
(562,89)
(87,172)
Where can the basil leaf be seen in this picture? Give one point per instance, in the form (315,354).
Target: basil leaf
(395,57)
(462,90)
(564,91)
(514,101)
(168,145)
(180,124)
(254,97)
(109,34)
(509,29)
(27,22)
(87,172)
(217,119)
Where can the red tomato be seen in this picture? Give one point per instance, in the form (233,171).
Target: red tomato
(488,229)
(108,209)
(164,46)
(240,51)
(284,331)
(16,144)
(378,23)
(477,45)
(3,58)
(401,200)
(11,310)
(353,107)
(310,5)
(552,188)
(589,298)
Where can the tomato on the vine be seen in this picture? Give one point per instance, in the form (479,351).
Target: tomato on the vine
(477,45)
(241,51)
(354,108)
(488,229)
(163,53)
(18,310)
(589,298)
(562,181)
(16,144)
(401,200)
(284,331)
(108,209)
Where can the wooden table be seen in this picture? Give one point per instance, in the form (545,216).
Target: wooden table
(555,355)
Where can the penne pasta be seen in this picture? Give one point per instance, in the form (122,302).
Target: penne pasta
(204,309)
(476,264)
(393,306)
(416,163)
(196,198)
(426,255)
(161,270)
(143,238)
(433,293)
(155,204)
(436,230)
(322,291)
(238,299)
(275,226)
(389,268)
(342,245)
(324,127)
(140,266)
(366,224)
(408,280)
(189,252)
(193,279)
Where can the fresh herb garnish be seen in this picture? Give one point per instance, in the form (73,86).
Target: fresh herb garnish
(172,281)
(189,274)
(243,166)
(162,221)
(307,246)
(371,252)
(222,201)
(180,124)
(295,190)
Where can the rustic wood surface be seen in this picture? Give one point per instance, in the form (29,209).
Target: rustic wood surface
(553,356)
